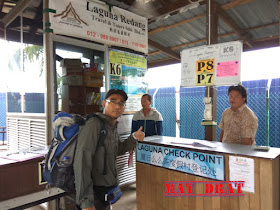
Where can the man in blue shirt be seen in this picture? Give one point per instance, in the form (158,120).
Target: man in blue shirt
(149,118)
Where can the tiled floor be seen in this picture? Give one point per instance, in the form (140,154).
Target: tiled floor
(128,200)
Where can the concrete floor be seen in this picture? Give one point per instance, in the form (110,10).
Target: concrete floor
(127,201)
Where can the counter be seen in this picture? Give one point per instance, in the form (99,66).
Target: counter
(178,160)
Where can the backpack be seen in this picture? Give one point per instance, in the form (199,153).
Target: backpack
(58,168)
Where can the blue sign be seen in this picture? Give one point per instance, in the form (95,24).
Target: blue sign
(196,163)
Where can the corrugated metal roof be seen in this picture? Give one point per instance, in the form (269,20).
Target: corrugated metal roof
(253,14)
(176,25)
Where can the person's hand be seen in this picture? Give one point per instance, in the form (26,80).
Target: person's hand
(139,135)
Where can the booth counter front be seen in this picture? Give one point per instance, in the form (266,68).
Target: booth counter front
(177,173)
(21,182)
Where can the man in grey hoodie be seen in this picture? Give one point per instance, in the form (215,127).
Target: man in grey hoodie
(149,118)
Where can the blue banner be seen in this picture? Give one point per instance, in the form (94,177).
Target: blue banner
(196,163)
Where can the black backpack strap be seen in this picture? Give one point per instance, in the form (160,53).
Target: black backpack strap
(102,136)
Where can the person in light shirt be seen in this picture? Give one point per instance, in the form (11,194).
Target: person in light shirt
(239,123)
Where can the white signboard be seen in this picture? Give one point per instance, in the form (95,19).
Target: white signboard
(96,21)
(242,169)
(217,64)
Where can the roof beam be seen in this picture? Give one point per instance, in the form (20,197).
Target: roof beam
(225,6)
(129,2)
(222,35)
(164,49)
(19,8)
(170,8)
(164,2)
(175,24)
(262,43)
(2,26)
(26,22)
(14,36)
(1,5)
(243,34)
(258,44)
(38,16)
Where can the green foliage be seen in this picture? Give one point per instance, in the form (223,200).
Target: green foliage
(30,54)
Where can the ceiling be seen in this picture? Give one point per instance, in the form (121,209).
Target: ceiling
(174,25)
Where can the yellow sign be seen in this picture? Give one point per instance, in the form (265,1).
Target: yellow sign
(115,69)
(205,72)
(128,59)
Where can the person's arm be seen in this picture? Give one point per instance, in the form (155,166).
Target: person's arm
(87,142)
(221,136)
(130,142)
(249,130)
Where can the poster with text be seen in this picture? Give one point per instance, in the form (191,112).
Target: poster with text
(216,64)
(127,72)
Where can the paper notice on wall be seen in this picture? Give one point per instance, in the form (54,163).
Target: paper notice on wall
(228,69)
(242,169)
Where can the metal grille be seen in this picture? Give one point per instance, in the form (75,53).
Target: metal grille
(256,101)
(222,104)
(165,103)
(3,112)
(25,133)
(191,112)
(274,113)
(126,175)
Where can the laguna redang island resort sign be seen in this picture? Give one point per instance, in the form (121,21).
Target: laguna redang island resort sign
(96,21)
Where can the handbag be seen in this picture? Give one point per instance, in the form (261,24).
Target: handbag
(108,195)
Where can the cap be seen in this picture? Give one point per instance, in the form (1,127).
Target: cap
(116,91)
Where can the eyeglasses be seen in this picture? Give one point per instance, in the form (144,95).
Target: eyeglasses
(113,101)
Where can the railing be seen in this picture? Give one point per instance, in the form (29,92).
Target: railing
(3,131)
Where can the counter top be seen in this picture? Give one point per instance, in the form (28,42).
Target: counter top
(204,145)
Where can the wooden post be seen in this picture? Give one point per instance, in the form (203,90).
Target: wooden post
(212,38)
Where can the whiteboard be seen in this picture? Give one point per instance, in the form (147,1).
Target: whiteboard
(216,64)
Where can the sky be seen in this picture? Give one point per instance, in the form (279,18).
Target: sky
(255,65)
